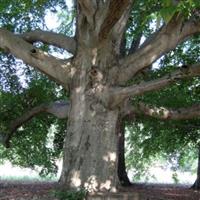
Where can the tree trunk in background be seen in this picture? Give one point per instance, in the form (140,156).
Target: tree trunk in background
(122,174)
(196,185)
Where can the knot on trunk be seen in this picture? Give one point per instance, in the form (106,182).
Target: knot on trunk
(35,53)
(95,74)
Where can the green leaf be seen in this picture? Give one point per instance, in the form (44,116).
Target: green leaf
(167,13)
(167,3)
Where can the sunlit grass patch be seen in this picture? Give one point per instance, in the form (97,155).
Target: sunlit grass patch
(11,173)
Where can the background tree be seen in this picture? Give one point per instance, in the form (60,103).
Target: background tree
(103,78)
(158,136)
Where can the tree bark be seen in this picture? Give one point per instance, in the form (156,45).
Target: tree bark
(90,149)
(196,185)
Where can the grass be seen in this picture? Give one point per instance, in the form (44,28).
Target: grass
(27,178)
(11,173)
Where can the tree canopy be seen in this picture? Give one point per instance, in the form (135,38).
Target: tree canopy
(150,77)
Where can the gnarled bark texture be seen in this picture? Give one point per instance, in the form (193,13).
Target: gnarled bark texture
(90,158)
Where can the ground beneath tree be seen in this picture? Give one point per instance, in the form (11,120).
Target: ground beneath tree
(44,191)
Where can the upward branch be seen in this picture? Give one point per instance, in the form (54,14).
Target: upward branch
(58,40)
(88,8)
(102,19)
(58,70)
(166,39)
(115,12)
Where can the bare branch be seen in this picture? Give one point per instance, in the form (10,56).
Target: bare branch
(56,69)
(117,95)
(58,40)
(59,109)
(166,113)
(166,39)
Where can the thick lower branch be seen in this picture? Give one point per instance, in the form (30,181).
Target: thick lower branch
(165,113)
(57,70)
(59,40)
(117,95)
(59,109)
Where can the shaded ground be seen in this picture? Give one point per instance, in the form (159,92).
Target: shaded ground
(26,190)
(29,191)
(164,192)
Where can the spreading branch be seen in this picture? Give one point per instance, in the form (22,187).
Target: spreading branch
(161,42)
(58,70)
(118,94)
(164,113)
(59,109)
(58,40)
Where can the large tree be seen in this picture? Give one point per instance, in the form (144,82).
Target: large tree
(103,76)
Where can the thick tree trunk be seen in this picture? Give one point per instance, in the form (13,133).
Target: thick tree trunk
(196,185)
(91,144)
(90,149)
(122,174)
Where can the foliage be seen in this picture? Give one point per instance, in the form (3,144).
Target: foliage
(30,144)
(25,15)
(22,88)
(151,139)
(171,142)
